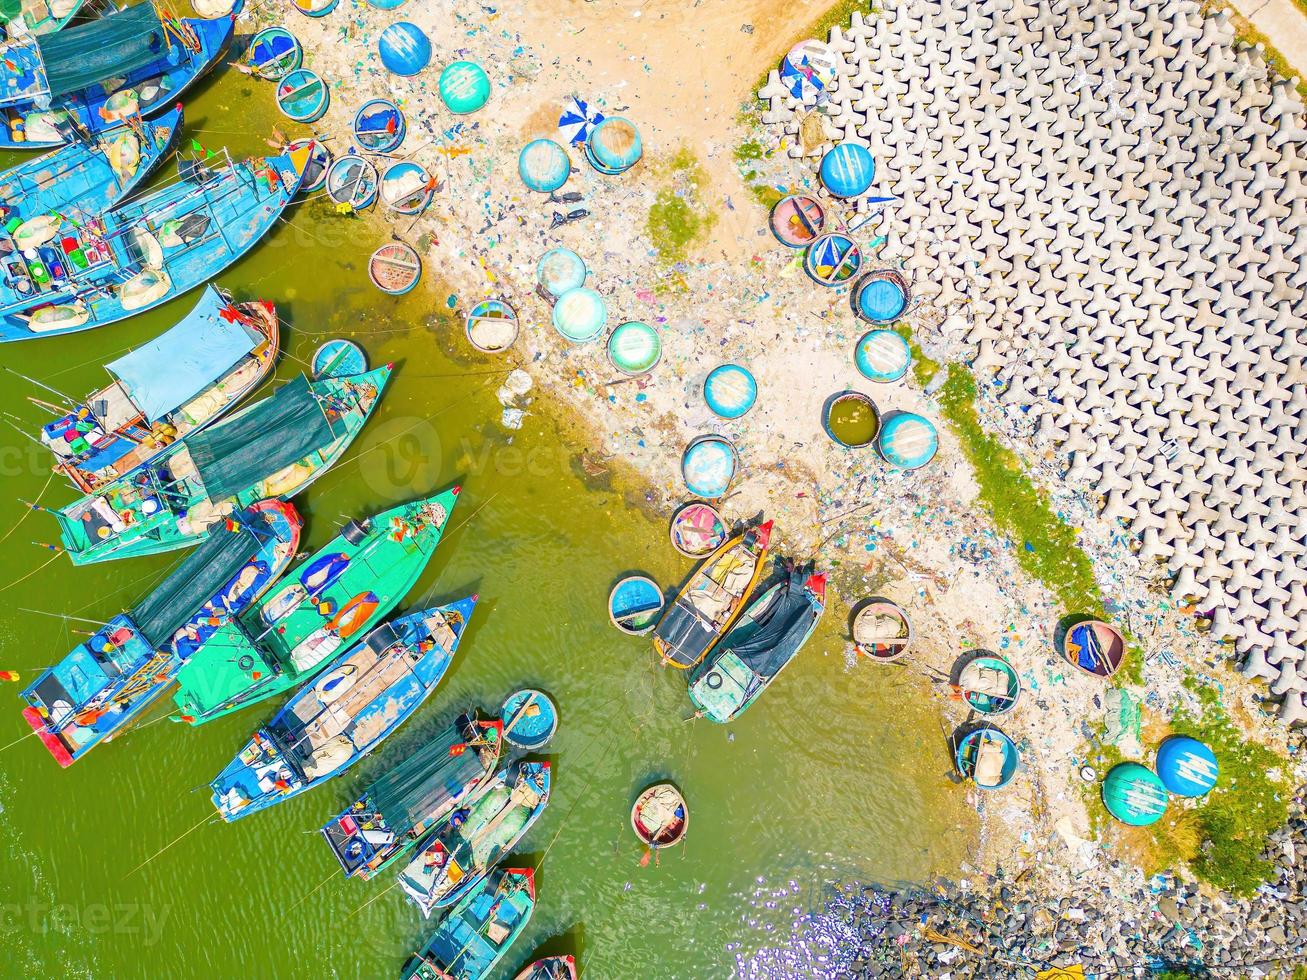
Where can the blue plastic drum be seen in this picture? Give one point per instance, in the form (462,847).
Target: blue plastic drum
(907,441)
(544,166)
(560,270)
(1186,766)
(882,355)
(847,170)
(580,315)
(730,391)
(404,49)
(708,466)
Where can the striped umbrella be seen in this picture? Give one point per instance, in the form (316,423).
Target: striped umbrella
(578,119)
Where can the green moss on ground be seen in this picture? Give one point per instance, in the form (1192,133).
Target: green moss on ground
(1245,31)
(678,217)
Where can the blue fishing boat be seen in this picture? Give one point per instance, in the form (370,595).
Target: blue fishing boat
(473,938)
(178,383)
(38,16)
(87,178)
(105,683)
(379,126)
(273,448)
(63,275)
(94,76)
(458,855)
(770,634)
(352,706)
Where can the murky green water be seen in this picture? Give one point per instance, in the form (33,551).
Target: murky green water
(835,773)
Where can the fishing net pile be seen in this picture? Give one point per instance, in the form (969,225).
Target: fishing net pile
(1103,202)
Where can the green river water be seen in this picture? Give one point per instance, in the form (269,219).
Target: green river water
(836,774)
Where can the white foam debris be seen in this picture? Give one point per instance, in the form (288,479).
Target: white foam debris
(1112,193)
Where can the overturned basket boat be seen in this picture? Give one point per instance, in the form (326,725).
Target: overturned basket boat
(395,268)
(660,817)
(882,631)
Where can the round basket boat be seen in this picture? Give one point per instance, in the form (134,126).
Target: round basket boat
(730,391)
(464,87)
(580,315)
(315,171)
(708,466)
(907,441)
(395,268)
(406,187)
(833,260)
(404,48)
(659,816)
(1134,795)
(881,630)
(492,326)
(797,220)
(634,348)
(544,166)
(379,126)
(613,146)
(559,271)
(697,530)
(339,359)
(988,757)
(990,685)
(882,355)
(1186,766)
(635,605)
(274,53)
(1095,647)
(881,296)
(352,180)
(847,170)
(212,9)
(315,8)
(530,719)
(850,418)
(303,96)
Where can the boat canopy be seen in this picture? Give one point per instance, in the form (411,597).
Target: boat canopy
(110,47)
(263,439)
(198,578)
(429,779)
(782,628)
(170,370)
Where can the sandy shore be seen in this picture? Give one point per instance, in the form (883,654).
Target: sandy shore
(681,71)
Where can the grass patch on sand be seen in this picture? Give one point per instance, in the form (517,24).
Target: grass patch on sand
(678,217)
(1219,838)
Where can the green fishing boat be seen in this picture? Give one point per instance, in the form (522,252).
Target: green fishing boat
(273,449)
(293,631)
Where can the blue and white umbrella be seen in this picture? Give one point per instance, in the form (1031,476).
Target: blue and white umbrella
(578,118)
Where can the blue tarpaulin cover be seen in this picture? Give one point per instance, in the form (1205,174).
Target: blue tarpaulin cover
(177,365)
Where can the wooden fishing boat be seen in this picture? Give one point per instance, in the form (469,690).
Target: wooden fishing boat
(108,680)
(457,856)
(352,180)
(37,16)
(333,722)
(1094,647)
(881,631)
(319,162)
(339,358)
(712,599)
(96,75)
(767,637)
(303,96)
(71,275)
(988,757)
(273,54)
(87,178)
(407,188)
(395,268)
(475,935)
(345,588)
(660,817)
(529,719)
(379,126)
(635,604)
(273,448)
(697,530)
(416,795)
(550,968)
(989,684)
(178,383)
